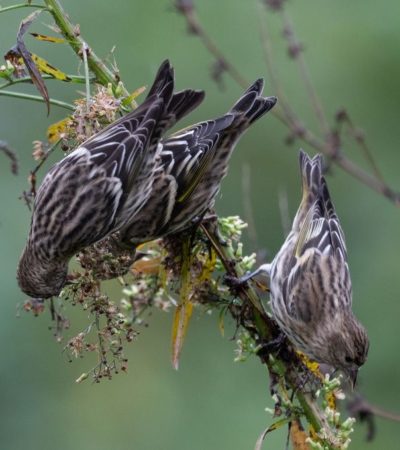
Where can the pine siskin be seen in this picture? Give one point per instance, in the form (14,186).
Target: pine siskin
(193,163)
(100,187)
(311,292)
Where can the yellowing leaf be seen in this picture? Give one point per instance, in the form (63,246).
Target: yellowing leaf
(184,310)
(127,101)
(47,68)
(182,317)
(149,266)
(20,50)
(208,267)
(55,131)
(278,424)
(43,37)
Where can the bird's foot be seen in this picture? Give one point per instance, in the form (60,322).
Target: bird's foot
(275,345)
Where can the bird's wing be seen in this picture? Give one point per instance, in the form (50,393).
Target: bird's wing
(75,205)
(187,155)
(319,277)
(122,146)
(321,228)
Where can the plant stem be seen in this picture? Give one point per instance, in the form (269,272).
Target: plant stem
(21,5)
(73,79)
(37,98)
(103,74)
(297,129)
(265,329)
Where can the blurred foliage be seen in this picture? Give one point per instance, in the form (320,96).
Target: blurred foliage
(211,402)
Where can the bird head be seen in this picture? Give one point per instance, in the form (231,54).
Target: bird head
(348,347)
(39,278)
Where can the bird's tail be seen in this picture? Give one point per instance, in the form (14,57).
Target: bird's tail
(176,105)
(251,106)
(311,174)
(312,180)
(181,104)
(163,84)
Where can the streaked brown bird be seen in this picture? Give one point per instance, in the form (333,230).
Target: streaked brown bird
(311,291)
(100,187)
(193,163)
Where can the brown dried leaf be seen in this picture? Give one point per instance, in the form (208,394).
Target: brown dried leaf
(182,317)
(26,56)
(5,148)
(278,424)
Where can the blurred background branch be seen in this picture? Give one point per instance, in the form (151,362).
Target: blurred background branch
(328,142)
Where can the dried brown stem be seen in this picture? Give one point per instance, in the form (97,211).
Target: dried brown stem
(289,114)
(195,27)
(327,144)
(358,135)
(296,52)
(4,147)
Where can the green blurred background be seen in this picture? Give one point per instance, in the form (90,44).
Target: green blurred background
(211,402)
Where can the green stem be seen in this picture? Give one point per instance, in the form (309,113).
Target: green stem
(37,98)
(21,5)
(265,329)
(103,74)
(73,79)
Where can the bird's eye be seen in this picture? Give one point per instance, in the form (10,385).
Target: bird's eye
(348,359)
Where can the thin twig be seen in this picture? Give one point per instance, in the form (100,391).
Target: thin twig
(4,147)
(28,80)
(359,138)
(195,27)
(273,76)
(297,129)
(32,176)
(21,5)
(37,98)
(48,152)
(87,81)
(296,51)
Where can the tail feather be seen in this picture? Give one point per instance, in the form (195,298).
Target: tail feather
(311,173)
(257,87)
(176,105)
(261,106)
(183,102)
(245,102)
(163,83)
(251,106)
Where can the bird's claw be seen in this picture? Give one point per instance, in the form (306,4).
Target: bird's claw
(275,345)
(234,283)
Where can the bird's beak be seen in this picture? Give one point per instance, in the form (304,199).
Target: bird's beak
(353,376)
